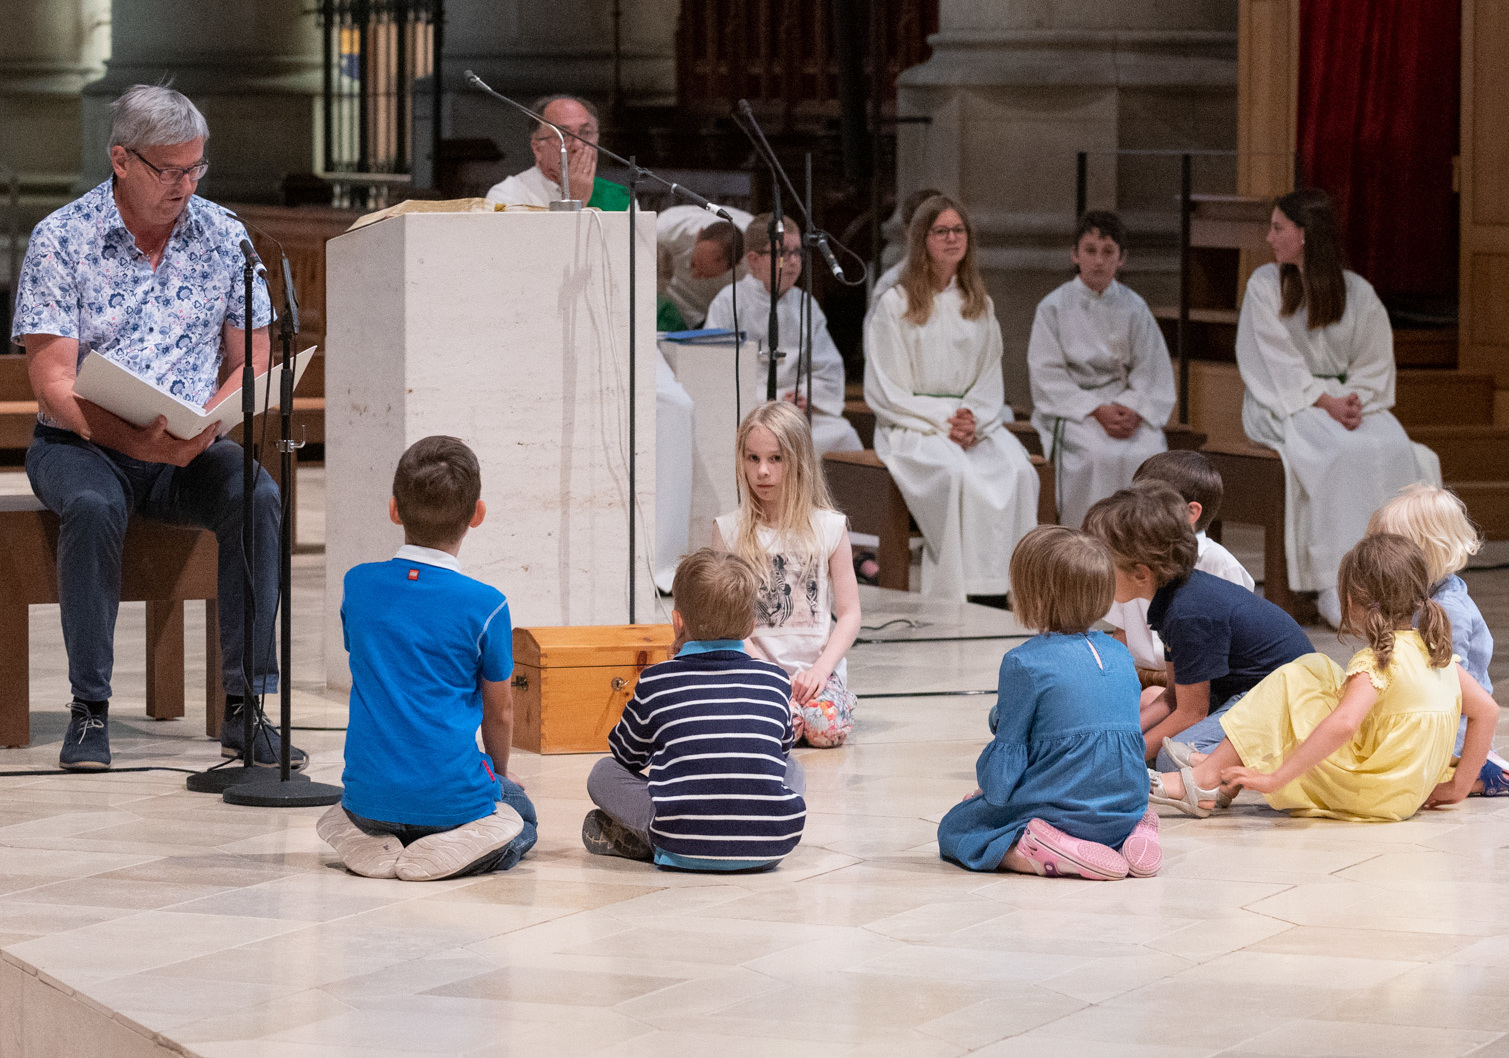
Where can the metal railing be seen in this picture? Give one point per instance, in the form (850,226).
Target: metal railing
(374,52)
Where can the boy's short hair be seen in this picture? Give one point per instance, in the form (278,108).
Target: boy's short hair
(757,232)
(715,592)
(729,239)
(1435,519)
(1106,223)
(1147,525)
(1062,580)
(437,485)
(1191,476)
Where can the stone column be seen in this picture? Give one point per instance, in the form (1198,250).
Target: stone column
(521,53)
(1015,88)
(253,68)
(47,52)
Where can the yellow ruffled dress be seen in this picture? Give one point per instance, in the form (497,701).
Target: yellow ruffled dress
(1397,757)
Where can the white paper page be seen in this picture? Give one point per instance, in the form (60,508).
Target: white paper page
(136,400)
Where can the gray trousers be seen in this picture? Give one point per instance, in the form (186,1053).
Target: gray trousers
(625,794)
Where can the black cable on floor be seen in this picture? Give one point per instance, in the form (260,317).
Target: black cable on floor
(923,694)
(100,771)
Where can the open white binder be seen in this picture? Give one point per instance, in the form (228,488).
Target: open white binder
(136,400)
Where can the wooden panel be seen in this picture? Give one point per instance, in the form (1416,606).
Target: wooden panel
(1429,397)
(1484,291)
(1215,403)
(1485,74)
(1267,93)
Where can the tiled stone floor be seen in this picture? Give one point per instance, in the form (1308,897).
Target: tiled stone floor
(225,931)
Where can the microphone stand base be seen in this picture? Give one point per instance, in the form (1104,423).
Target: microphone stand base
(271,792)
(218,780)
(566,205)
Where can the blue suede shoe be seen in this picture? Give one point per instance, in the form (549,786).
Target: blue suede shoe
(86,743)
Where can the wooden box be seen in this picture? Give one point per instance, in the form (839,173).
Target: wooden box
(570,684)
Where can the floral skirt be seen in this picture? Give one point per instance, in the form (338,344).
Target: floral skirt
(826,720)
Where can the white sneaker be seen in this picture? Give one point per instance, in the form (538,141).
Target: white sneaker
(451,852)
(370,855)
(1328,603)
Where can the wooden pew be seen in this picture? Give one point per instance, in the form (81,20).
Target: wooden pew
(164,565)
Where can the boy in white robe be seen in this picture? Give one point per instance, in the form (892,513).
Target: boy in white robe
(831,432)
(1336,473)
(1102,383)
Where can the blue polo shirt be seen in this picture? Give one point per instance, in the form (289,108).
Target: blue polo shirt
(422,636)
(1215,630)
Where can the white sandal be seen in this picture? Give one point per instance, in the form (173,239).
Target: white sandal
(1189,804)
(1179,753)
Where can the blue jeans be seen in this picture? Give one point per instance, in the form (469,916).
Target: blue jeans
(509,792)
(94,490)
(1204,736)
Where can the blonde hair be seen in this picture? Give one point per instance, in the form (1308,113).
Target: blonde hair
(715,593)
(1062,580)
(1383,584)
(917,279)
(1434,518)
(803,487)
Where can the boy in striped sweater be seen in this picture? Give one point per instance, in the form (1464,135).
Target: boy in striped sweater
(701,776)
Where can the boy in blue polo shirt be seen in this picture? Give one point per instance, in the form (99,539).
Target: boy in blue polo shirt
(1220,639)
(431,656)
(701,776)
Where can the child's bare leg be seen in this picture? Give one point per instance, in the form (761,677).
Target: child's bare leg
(1155,707)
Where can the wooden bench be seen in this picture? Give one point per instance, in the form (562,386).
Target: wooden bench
(863,489)
(163,566)
(1253,480)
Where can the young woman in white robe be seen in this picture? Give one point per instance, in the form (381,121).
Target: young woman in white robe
(1102,383)
(1316,354)
(933,378)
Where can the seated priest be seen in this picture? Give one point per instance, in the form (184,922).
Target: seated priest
(541,184)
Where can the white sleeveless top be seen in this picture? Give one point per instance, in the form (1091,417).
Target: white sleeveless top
(795,610)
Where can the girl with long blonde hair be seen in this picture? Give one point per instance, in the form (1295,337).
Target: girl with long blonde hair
(787,527)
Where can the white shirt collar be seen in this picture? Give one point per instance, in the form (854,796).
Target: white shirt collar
(1084,288)
(429,556)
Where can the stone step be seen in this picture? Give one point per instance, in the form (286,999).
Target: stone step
(1424,397)
(1470,452)
(1488,503)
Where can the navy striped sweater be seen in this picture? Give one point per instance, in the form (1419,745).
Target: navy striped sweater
(714,729)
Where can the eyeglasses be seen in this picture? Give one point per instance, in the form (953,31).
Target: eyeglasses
(173,174)
(788,254)
(942,233)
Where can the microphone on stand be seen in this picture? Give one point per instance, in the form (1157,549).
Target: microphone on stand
(249,252)
(821,242)
(566,204)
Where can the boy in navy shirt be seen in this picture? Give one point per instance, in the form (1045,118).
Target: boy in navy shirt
(1220,639)
(431,656)
(721,792)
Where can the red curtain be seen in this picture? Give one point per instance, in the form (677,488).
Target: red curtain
(1379,112)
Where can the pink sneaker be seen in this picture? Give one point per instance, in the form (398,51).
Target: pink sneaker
(1141,850)
(1054,854)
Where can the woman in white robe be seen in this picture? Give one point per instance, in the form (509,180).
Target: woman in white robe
(939,403)
(1102,382)
(1319,373)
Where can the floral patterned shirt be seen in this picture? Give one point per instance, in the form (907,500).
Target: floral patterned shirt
(84,278)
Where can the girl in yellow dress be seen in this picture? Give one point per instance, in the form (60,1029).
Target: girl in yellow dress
(1372,742)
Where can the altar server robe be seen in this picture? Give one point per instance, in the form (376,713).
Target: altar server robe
(972,505)
(1334,478)
(1089,349)
(831,432)
(677,228)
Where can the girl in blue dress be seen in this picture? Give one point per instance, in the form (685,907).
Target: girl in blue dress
(1063,787)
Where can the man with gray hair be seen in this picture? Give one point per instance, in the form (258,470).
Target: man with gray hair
(541,185)
(143,272)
